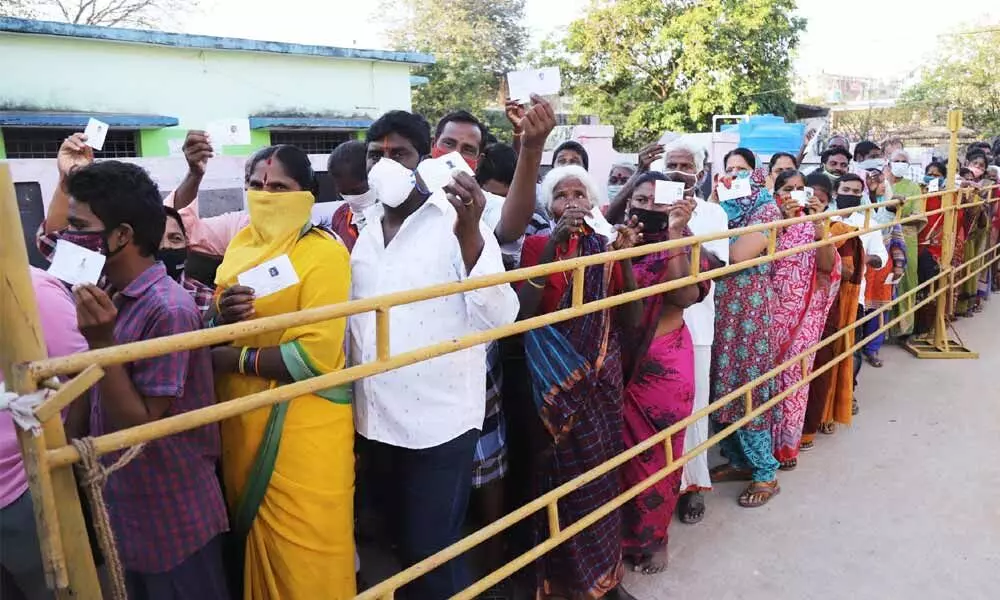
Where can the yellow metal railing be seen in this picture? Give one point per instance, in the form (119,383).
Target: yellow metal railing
(48,458)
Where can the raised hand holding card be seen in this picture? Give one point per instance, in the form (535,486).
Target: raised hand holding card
(668,192)
(75,264)
(96,131)
(737,188)
(543,82)
(437,172)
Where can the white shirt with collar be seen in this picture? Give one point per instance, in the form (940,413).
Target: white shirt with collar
(434,401)
(707,218)
(872,242)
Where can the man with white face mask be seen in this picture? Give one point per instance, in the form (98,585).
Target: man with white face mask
(346,166)
(418,426)
(907,191)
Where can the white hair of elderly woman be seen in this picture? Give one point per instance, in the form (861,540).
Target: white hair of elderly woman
(682,144)
(560,174)
(899,156)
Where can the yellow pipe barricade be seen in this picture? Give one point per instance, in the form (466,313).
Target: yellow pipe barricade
(70,565)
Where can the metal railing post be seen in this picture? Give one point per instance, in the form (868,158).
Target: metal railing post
(66,556)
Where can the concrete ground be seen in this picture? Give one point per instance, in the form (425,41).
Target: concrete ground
(904,504)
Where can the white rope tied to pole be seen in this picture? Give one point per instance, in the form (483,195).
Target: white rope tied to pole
(22,408)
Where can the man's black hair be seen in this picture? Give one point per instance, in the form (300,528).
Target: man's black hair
(833,152)
(349,158)
(498,163)
(746,153)
(173,213)
(977,147)
(463,116)
(575,147)
(863,149)
(849,177)
(411,126)
(295,162)
(121,193)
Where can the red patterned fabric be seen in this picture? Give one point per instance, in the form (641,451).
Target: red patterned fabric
(660,394)
(803,298)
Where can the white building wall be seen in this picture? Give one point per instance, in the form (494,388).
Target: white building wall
(50,73)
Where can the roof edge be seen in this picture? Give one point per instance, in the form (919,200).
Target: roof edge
(204,42)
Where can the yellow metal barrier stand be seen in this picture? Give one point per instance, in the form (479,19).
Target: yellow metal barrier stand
(69,566)
(943,346)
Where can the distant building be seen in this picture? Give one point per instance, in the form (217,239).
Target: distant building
(152,86)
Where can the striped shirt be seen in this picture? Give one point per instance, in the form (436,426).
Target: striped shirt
(167,503)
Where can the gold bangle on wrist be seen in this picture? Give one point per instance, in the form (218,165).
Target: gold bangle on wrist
(537,286)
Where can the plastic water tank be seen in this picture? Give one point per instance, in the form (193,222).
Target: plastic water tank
(768,134)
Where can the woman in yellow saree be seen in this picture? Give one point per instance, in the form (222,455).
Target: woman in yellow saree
(288,470)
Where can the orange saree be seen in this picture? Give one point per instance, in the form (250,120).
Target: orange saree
(831,393)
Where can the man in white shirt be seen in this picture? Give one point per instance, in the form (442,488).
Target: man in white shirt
(418,425)
(850,188)
(681,157)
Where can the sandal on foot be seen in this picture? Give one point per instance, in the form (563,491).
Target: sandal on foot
(806,446)
(691,508)
(855,409)
(647,563)
(728,472)
(827,428)
(874,360)
(789,465)
(759,493)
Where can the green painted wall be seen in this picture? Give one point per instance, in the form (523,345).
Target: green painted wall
(3,147)
(360,135)
(156,142)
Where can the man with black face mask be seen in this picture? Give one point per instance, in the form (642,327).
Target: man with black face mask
(173,250)
(850,187)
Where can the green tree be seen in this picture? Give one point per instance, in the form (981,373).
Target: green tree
(646,66)
(475,42)
(963,76)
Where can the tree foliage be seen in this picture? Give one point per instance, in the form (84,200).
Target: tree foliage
(964,75)
(110,13)
(475,43)
(646,66)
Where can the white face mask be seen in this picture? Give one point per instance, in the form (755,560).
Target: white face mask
(360,202)
(900,169)
(391,182)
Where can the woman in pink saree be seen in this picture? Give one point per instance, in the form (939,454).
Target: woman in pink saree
(805,286)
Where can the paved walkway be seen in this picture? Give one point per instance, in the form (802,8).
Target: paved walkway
(904,504)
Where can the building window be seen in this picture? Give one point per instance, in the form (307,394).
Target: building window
(312,141)
(40,142)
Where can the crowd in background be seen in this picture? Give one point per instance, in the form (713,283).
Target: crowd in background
(265,504)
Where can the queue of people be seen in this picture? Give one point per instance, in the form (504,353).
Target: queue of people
(268,504)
